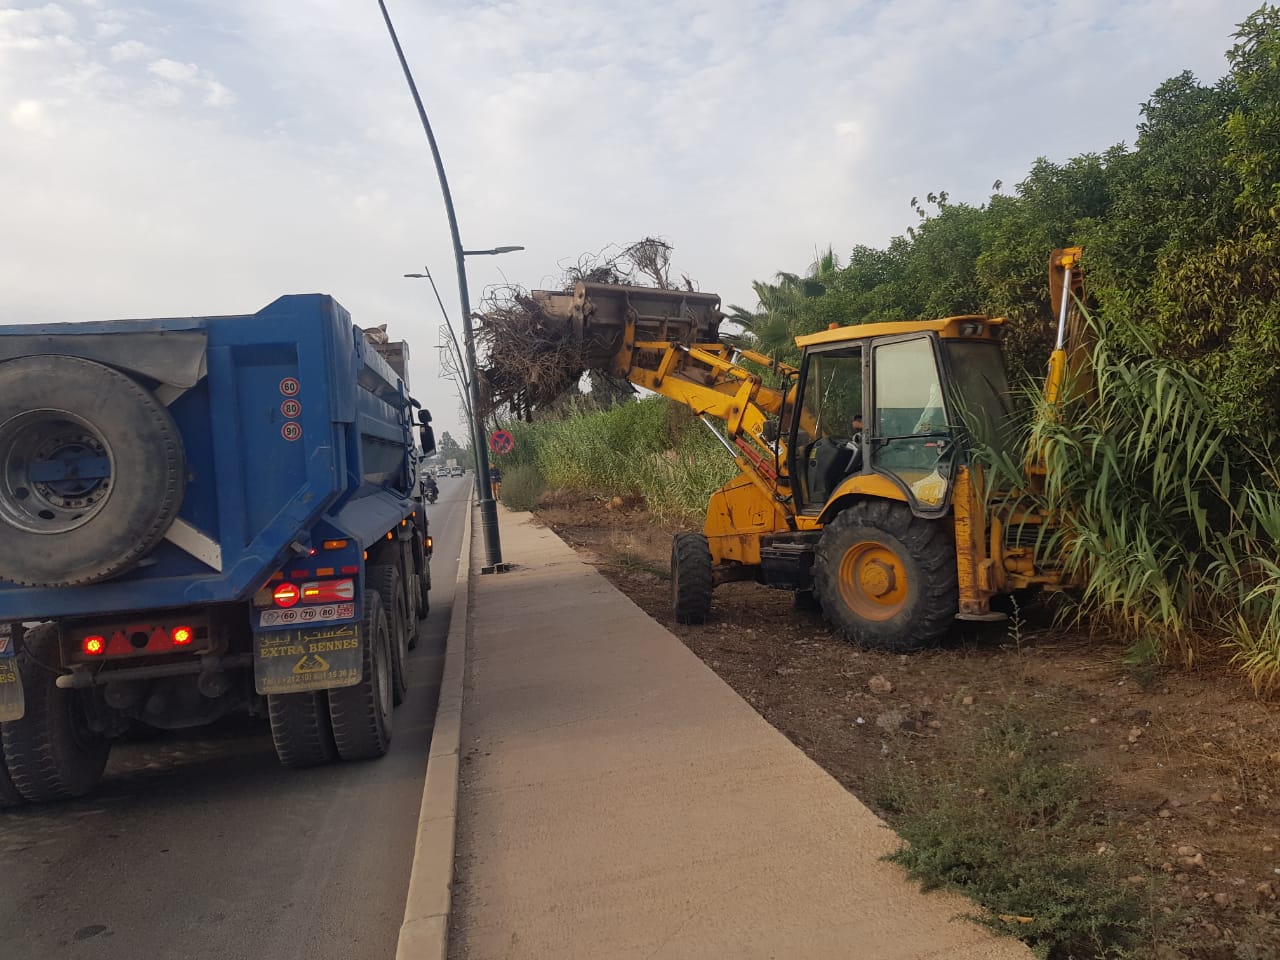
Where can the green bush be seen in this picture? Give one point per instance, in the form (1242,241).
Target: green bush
(650,447)
(1170,522)
(522,486)
(1008,827)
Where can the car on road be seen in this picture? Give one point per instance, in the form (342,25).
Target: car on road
(457,472)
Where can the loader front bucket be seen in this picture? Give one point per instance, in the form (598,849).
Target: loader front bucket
(596,316)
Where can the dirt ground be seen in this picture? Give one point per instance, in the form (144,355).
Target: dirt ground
(1189,760)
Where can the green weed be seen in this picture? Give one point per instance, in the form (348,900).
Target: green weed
(649,447)
(522,486)
(1008,826)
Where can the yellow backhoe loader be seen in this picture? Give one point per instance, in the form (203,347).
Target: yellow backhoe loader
(856,481)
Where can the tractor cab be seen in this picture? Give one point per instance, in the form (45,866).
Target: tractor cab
(886,410)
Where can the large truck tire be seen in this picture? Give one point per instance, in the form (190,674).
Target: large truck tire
(692,580)
(51,753)
(361,715)
(9,795)
(91,471)
(300,729)
(386,579)
(886,578)
(424,592)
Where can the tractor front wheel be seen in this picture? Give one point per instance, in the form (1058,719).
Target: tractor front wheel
(691,578)
(886,578)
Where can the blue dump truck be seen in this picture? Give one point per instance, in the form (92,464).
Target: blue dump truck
(199,516)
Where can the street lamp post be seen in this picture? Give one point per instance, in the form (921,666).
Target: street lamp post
(453,337)
(488,509)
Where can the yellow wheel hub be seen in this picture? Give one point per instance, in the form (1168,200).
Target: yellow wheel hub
(873,580)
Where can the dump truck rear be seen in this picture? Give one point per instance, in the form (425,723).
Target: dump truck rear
(199,516)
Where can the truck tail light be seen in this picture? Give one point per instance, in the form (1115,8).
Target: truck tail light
(287,595)
(95,646)
(328,591)
(182,636)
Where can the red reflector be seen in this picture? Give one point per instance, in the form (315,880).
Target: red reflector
(300,574)
(287,594)
(350,570)
(182,636)
(95,646)
(328,591)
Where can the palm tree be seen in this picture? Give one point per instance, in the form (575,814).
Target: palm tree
(770,327)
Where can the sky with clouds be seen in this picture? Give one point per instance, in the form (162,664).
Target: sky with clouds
(180,157)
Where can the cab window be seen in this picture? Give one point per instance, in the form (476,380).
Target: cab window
(912,435)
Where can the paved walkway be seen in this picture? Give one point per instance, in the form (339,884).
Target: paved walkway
(618,800)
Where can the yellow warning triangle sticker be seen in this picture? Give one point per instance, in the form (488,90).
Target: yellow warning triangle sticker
(311,664)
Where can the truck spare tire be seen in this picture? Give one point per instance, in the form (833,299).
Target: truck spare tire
(91,471)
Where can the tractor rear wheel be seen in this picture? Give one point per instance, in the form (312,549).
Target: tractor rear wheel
(886,578)
(691,578)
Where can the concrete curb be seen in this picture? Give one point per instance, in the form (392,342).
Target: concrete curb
(424,935)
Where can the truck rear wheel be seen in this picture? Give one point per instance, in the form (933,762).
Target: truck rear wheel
(52,753)
(386,579)
(300,729)
(91,471)
(886,578)
(424,591)
(691,578)
(361,715)
(9,795)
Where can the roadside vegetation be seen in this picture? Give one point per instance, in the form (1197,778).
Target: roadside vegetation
(1165,479)
(647,447)
(1009,824)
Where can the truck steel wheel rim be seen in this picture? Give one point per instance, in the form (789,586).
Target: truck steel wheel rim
(873,580)
(55,471)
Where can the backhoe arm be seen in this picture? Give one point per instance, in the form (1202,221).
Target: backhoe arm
(667,341)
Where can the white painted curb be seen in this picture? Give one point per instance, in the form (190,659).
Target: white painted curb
(424,934)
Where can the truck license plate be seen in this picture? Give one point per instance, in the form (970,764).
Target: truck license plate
(312,658)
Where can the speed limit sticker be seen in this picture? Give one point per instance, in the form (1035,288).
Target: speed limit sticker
(291,431)
(291,408)
(290,386)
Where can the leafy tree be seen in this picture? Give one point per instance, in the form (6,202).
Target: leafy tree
(448,447)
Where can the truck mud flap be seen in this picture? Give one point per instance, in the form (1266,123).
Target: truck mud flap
(311,658)
(12,702)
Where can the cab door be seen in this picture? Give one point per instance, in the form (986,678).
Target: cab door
(911,438)
(826,442)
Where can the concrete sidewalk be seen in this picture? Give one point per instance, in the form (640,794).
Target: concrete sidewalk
(618,800)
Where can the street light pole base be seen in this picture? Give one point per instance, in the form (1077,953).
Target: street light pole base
(496,568)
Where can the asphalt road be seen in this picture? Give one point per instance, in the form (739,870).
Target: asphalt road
(199,844)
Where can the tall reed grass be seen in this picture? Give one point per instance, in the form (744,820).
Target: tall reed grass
(1171,522)
(649,447)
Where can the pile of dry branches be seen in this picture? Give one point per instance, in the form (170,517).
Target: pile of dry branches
(532,358)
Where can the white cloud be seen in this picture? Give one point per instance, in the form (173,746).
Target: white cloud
(748,132)
(185,73)
(127,50)
(36,28)
(216,95)
(189,76)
